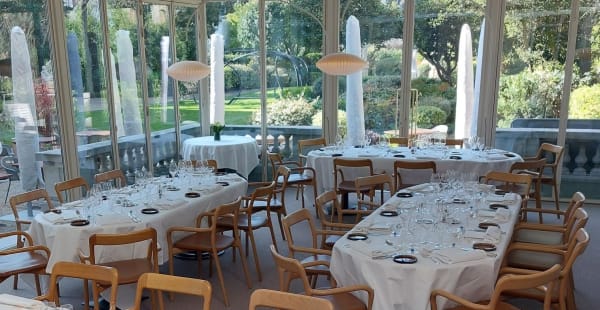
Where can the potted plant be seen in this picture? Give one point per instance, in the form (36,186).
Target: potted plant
(216,129)
(44,106)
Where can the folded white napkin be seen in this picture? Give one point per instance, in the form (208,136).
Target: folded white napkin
(112,219)
(207,189)
(425,187)
(508,197)
(368,155)
(169,204)
(20,302)
(380,228)
(65,216)
(72,204)
(456,255)
(502,215)
(487,213)
(425,157)
(493,234)
(373,250)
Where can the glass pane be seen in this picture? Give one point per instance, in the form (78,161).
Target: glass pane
(160,87)
(581,159)
(531,80)
(28,120)
(446,40)
(294,40)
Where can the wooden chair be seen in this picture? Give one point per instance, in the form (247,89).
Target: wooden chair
(77,182)
(174,284)
(454,142)
(553,155)
(329,200)
(300,176)
(249,220)
(284,300)
(524,258)
(340,297)
(344,185)
(317,261)
(113,175)
(378,182)
(544,280)
(534,168)
(212,163)
(26,258)
(511,182)
(27,197)
(109,277)
(410,165)
(549,233)
(307,145)
(400,141)
(129,269)
(277,203)
(211,240)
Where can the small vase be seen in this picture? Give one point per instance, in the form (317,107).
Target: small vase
(217,136)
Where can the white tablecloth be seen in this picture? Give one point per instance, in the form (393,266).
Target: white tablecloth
(65,241)
(408,286)
(236,152)
(476,162)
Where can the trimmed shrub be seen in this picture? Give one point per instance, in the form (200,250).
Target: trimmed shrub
(429,116)
(289,112)
(585,102)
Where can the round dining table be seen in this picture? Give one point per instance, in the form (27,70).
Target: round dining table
(235,152)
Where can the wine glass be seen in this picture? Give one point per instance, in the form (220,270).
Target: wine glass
(173,169)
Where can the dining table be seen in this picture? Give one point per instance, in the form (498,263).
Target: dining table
(159,203)
(428,237)
(234,152)
(475,162)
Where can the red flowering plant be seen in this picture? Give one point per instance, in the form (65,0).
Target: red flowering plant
(44,104)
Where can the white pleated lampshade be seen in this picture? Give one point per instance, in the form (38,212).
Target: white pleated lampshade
(188,71)
(341,64)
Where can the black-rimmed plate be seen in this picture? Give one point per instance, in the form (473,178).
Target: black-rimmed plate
(149,211)
(223,183)
(192,195)
(399,155)
(357,236)
(80,222)
(388,213)
(499,192)
(404,195)
(459,201)
(455,157)
(496,206)
(488,247)
(55,211)
(405,259)
(510,155)
(485,225)
(172,188)
(336,154)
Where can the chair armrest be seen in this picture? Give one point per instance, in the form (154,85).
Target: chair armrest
(187,229)
(531,247)
(527,158)
(303,169)
(548,211)
(542,227)
(295,163)
(454,298)
(313,251)
(316,263)
(27,249)
(343,226)
(330,232)
(347,289)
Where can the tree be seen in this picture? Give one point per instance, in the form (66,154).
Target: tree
(437,31)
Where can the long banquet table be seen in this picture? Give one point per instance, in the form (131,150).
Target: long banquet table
(462,160)
(122,212)
(443,247)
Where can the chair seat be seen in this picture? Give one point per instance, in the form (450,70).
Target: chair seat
(331,240)
(539,236)
(131,269)
(4,176)
(21,263)
(274,204)
(296,178)
(320,269)
(201,242)
(533,260)
(257,220)
(348,186)
(345,301)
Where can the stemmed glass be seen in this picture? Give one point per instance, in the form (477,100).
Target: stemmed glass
(173,169)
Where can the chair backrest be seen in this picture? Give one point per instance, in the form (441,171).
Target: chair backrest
(553,154)
(400,165)
(8,164)
(374,182)
(577,201)
(113,175)
(545,278)
(513,182)
(401,141)
(77,182)
(263,193)
(329,199)
(26,197)
(230,211)
(341,165)
(282,176)
(576,221)
(147,235)
(87,272)
(306,145)
(454,142)
(284,300)
(212,163)
(297,217)
(169,283)
(286,265)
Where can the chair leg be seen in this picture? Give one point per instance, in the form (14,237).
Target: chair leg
(215,256)
(280,225)
(556,197)
(251,236)
(16,280)
(7,191)
(171,259)
(37,284)
(244,265)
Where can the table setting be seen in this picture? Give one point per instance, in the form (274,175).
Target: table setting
(444,238)
(158,202)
